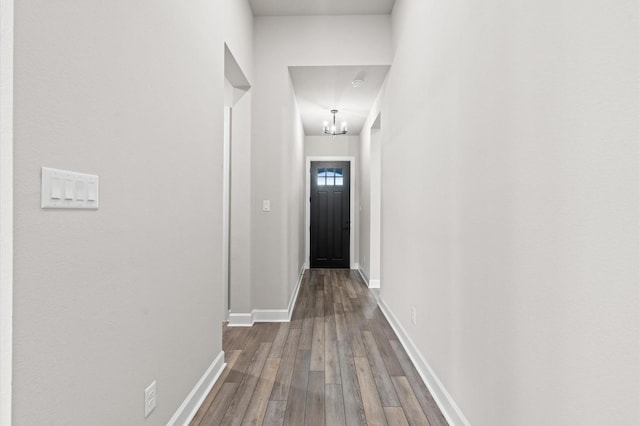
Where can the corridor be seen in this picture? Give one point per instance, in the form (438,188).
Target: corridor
(338,362)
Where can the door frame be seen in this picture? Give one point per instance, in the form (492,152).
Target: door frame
(6,209)
(352,216)
(226,194)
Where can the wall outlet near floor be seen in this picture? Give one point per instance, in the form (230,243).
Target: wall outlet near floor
(413,315)
(149,399)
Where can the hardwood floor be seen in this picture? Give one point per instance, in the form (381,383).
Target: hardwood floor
(338,362)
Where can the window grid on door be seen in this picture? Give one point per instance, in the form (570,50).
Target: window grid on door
(330,177)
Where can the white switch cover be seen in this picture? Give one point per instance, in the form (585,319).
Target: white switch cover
(266,205)
(149,399)
(62,189)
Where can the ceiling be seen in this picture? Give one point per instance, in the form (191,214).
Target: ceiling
(322,88)
(321,7)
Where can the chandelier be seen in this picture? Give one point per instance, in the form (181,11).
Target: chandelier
(333,130)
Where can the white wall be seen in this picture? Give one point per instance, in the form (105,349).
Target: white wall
(370,194)
(340,146)
(510,214)
(293,184)
(239,40)
(6,209)
(277,150)
(375,202)
(240,243)
(107,301)
(238,34)
(364,205)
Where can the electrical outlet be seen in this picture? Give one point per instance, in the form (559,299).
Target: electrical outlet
(149,399)
(413,315)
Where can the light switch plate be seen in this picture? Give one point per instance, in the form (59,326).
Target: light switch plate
(149,399)
(266,205)
(62,189)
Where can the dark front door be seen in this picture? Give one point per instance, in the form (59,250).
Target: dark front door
(330,222)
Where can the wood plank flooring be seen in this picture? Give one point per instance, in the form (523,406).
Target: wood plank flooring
(338,362)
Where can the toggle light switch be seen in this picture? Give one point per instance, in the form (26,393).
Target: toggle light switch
(91,191)
(68,189)
(56,188)
(81,190)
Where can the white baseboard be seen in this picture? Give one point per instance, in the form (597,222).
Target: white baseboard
(240,320)
(368,282)
(448,406)
(364,277)
(196,397)
(294,296)
(268,315)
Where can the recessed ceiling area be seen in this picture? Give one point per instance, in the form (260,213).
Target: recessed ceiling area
(321,7)
(319,89)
